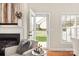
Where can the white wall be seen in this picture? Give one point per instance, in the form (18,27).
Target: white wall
(55,11)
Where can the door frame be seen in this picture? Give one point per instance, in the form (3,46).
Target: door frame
(47,14)
(31,14)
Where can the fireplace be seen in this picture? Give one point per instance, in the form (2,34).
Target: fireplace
(7,40)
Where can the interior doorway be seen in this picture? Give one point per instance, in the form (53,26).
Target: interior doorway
(39,28)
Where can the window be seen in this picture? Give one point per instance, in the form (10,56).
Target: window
(70,27)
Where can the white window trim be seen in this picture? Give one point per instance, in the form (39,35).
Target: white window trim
(66,13)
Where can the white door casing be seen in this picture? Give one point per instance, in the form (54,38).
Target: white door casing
(32,24)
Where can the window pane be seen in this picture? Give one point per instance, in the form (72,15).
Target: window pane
(78,33)
(68,34)
(64,34)
(70,27)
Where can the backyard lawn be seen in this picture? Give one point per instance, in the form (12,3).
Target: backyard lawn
(41,36)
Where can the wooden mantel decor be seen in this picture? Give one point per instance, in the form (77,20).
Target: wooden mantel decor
(8,19)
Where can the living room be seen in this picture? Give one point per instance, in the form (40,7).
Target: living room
(16,28)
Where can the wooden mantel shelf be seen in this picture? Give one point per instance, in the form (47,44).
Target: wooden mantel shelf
(8,24)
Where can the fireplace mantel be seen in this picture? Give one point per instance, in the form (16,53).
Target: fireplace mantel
(12,30)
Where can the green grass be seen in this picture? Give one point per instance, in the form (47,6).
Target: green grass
(41,37)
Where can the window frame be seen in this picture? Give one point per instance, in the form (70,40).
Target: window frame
(77,16)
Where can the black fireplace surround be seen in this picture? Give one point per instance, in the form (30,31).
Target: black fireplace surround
(7,40)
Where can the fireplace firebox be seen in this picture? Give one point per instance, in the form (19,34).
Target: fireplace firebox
(7,40)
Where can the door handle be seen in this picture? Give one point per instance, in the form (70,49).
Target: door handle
(30,31)
(29,35)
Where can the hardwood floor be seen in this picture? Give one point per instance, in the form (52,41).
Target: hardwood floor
(60,53)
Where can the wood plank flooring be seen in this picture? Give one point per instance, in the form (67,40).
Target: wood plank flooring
(60,53)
